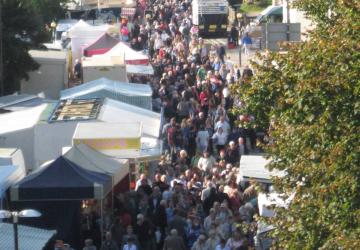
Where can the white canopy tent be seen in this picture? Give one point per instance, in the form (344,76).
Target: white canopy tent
(83,34)
(93,160)
(131,56)
(126,113)
(50,138)
(30,238)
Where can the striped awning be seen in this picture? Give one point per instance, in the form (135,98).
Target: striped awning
(128,11)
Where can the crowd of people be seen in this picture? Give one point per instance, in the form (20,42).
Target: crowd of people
(194,200)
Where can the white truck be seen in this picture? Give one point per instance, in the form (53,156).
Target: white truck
(211,16)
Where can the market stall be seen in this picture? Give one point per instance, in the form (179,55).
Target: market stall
(57,190)
(57,128)
(127,143)
(9,175)
(82,34)
(111,67)
(139,95)
(145,70)
(61,179)
(101,45)
(12,156)
(131,56)
(93,160)
(139,73)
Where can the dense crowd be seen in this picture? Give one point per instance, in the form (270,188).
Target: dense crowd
(194,201)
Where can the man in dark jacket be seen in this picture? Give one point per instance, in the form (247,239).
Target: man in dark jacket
(108,243)
(144,231)
(174,242)
(234,34)
(232,154)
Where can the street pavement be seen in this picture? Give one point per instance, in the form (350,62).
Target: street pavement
(233,53)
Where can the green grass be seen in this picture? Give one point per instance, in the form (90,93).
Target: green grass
(257,6)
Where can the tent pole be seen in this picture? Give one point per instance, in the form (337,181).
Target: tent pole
(112,197)
(102,220)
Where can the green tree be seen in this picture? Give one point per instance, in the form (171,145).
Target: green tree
(308,102)
(50,10)
(22,30)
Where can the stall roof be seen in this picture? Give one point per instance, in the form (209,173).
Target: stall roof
(126,113)
(9,175)
(21,119)
(150,151)
(29,237)
(49,56)
(99,130)
(106,110)
(7,152)
(139,69)
(101,45)
(93,160)
(9,100)
(105,87)
(76,109)
(103,61)
(80,24)
(85,30)
(254,167)
(131,56)
(61,179)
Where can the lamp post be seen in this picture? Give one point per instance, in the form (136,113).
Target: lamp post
(27,213)
(53,27)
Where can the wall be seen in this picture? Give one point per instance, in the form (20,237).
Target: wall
(277,32)
(297,16)
(116,73)
(50,138)
(50,78)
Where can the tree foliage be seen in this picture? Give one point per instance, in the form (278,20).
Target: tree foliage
(308,101)
(23,29)
(21,32)
(50,10)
